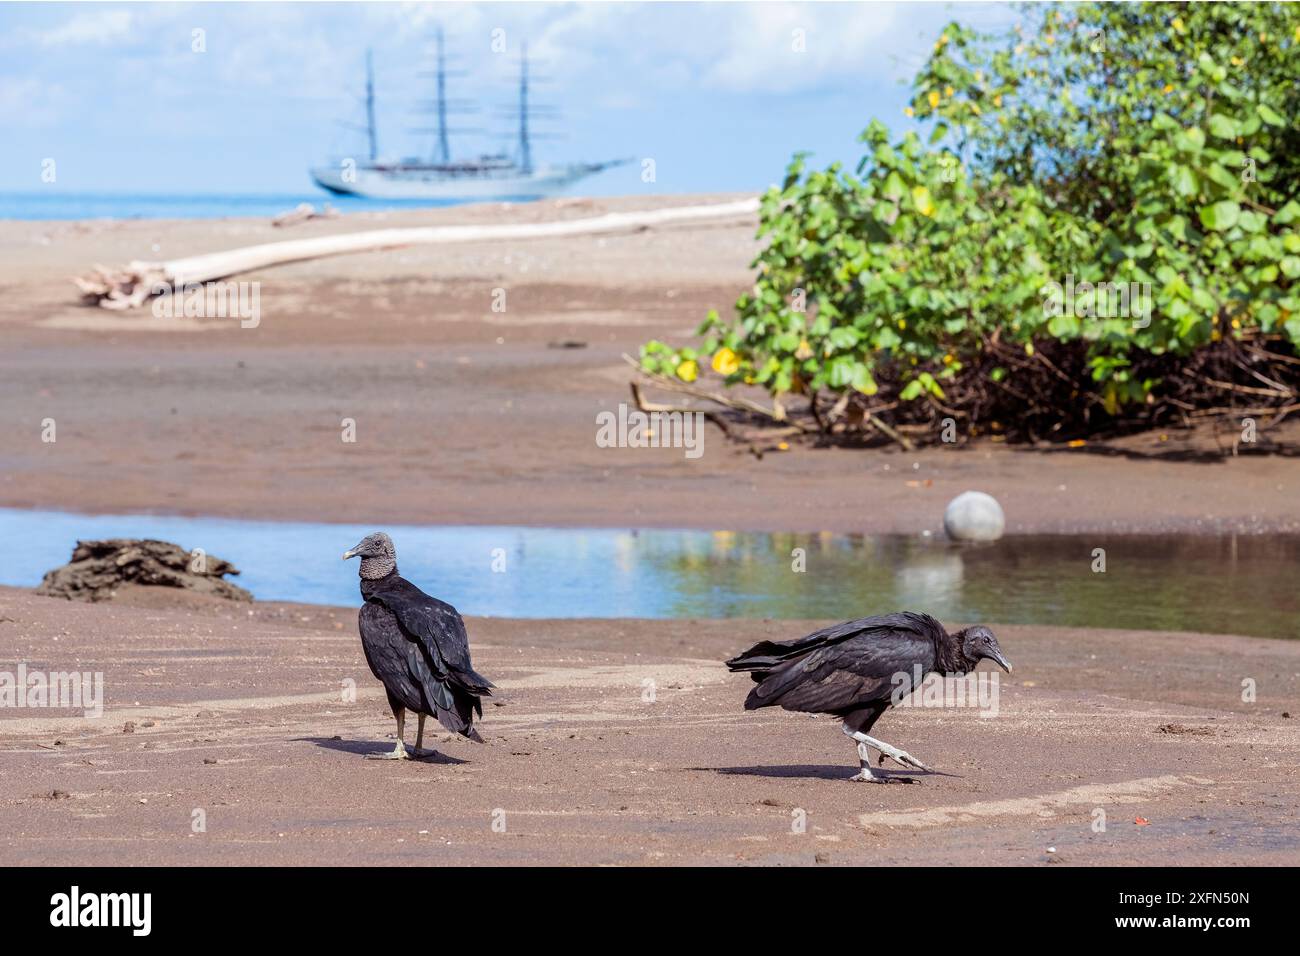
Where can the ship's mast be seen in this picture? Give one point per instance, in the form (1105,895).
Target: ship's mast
(525,152)
(370,106)
(444,152)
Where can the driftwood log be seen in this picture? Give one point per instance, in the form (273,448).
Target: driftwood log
(304,212)
(99,568)
(139,281)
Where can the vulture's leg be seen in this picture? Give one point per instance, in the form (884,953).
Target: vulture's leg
(864,761)
(901,756)
(398,752)
(419,741)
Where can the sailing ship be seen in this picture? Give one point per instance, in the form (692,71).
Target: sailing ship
(439,178)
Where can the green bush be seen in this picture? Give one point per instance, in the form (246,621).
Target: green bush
(1148,147)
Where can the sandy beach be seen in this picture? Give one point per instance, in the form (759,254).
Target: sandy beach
(240,714)
(466,415)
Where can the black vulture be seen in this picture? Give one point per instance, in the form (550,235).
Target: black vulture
(417,646)
(858,669)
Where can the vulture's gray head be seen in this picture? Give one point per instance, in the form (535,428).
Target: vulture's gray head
(978,643)
(377,554)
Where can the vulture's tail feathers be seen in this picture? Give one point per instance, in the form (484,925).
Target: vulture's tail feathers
(768,655)
(473,682)
(773,684)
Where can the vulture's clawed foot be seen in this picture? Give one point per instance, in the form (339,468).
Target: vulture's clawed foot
(903,758)
(419,753)
(397,753)
(866,776)
(886,750)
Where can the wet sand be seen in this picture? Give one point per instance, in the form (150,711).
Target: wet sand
(466,415)
(238,713)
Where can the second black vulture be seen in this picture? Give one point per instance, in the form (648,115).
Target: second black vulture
(417,646)
(858,669)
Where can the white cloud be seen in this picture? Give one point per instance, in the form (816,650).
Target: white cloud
(730,47)
(786,47)
(100,28)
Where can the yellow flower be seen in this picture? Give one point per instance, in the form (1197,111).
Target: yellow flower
(1236,323)
(725,361)
(976,110)
(908,111)
(1236,61)
(1029,348)
(1169,88)
(997,101)
(934,99)
(948,91)
(949,359)
(688,371)
(804,351)
(1178,25)
(1216,336)
(902,324)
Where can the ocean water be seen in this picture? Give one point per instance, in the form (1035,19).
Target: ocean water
(1232,584)
(59,205)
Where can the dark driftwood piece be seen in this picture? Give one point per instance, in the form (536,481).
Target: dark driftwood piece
(99,568)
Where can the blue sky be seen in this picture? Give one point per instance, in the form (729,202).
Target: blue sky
(715,93)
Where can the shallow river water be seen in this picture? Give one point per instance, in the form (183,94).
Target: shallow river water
(1240,584)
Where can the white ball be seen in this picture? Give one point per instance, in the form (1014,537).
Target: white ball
(974,516)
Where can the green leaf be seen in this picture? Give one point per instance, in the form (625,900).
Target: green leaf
(844,337)
(1270,115)
(1204,301)
(842,372)
(1288,214)
(1183,179)
(1223,127)
(1220,216)
(863,382)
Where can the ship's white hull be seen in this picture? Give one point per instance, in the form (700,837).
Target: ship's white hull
(437,186)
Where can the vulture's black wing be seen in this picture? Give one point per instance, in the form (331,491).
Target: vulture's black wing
(842,668)
(437,657)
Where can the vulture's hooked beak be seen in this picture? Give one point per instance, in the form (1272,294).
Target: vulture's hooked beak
(996,657)
(349,554)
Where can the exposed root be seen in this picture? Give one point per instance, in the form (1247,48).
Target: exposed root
(1048,395)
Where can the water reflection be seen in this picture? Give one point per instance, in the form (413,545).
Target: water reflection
(1244,585)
